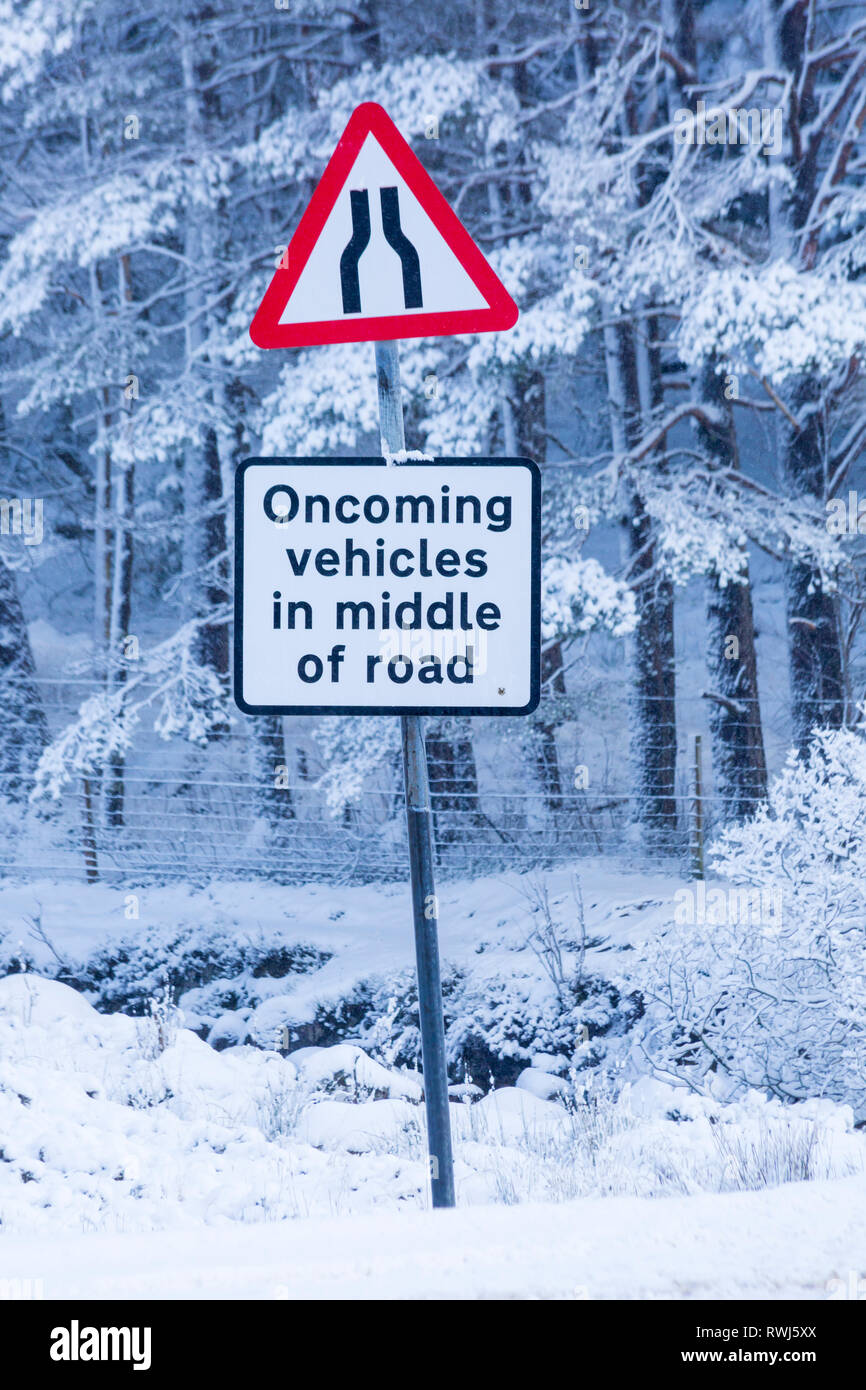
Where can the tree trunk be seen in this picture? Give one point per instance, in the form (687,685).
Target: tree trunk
(25,728)
(654,726)
(814,642)
(453,782)
(547,757)
(212,646)
(815,648)
(653,734)
(634,381)
(274,800)
(121,598)
(528,405)
(739,765)
(205,555)
(121,614)
(103,536)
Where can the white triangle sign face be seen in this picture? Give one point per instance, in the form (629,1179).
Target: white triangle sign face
(379,254)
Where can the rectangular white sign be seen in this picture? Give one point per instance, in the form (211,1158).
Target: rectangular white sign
(362,587)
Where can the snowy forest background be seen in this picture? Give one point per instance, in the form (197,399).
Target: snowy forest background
(686,369)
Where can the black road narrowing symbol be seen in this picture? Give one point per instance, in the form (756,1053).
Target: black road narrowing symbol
(352,254)
(396,238)
(360,239)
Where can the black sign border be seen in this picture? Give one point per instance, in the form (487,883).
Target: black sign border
(363,710)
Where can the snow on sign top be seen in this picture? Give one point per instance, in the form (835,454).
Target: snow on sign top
(379,254)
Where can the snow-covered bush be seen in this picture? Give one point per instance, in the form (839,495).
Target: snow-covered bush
(217,975)
(775,1000)
(498,1024)
(495,1025)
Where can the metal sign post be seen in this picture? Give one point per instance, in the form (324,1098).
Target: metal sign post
(425,904)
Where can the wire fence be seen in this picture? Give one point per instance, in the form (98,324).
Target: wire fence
(239,807)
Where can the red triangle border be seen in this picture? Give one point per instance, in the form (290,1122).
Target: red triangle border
(501,312)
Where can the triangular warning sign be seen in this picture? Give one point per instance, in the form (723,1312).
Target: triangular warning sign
(379,254)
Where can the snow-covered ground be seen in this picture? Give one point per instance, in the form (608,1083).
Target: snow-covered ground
(138,1161)
(804,1241)
(365,929)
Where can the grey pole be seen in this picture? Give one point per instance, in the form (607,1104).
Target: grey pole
(425,904)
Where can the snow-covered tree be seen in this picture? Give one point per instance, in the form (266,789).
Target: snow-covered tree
(762,976)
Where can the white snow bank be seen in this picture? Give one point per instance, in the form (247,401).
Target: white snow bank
(798,1242)
(364,1128)
(347,1067)
(117,1124)
(102,1130)
(541,1083)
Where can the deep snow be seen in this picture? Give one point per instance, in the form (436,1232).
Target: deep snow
(805,1241)
(137,1161)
